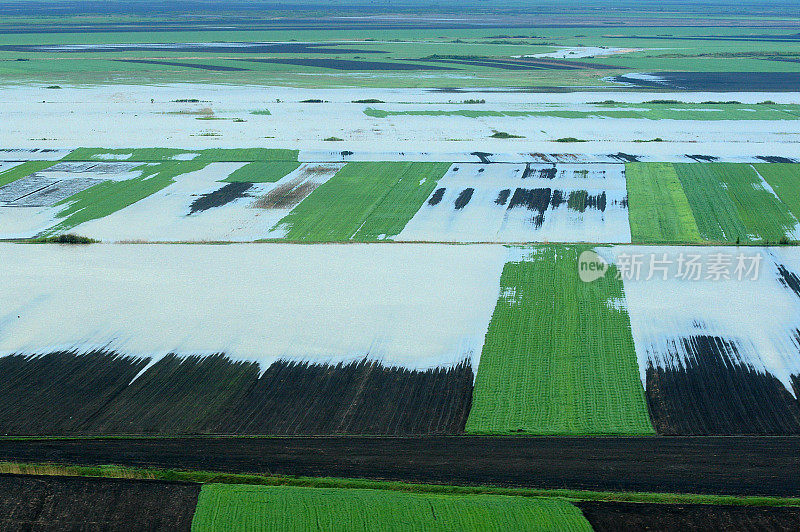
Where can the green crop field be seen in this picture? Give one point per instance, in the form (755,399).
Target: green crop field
(110,196)
(730,203)
(558,356)
(657,206)
(363,201)
(262,172)
(650,111)
(238,507)
(785,181)
(22,170)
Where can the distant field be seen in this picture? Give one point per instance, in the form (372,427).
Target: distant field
(279,508)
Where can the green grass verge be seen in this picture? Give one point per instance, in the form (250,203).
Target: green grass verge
(212,477)
(731,204)
(262,172)
(558,357)
(23,170)
(110,196)
(785,181)
(221,155)
(364,200)
(657,206)
(237,507)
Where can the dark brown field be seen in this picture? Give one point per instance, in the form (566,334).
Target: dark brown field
(611,516)
(74,503)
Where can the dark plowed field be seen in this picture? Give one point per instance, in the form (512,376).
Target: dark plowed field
(614,516)
(716,394)
(730,465)
(68,394)
(75,503)
(719,81)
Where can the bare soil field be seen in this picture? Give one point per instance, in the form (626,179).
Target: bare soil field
(29,502)
(708,465)
(680,517)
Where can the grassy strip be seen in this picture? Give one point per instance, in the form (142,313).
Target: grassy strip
(23,170)
(210,477)
(110,196)
(731,204)
(262,172)
(558,356)
(364,200)
(658,209)
(228,507)
(221,155)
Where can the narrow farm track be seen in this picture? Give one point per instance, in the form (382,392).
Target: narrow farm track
(709,465)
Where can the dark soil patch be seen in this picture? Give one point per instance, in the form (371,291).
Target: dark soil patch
(220,197)
(60,392)
(547,173)
(218,68)
(716,465)
(482,156)
(527,172)
(625,157)
(775,159)
(437,196)
(65,394)
(533,199)
(596,201)
(287,195)
(716,394)
(30,502)
(614,516)
(347,64)
(718,81)
(502,196)
(357,398)
(463,198)
(789,279)
(519,64)
(703,158)
(557,199)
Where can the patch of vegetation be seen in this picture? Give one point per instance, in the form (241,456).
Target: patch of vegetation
(312,100)
(369,100)
(473,101)
(333,139)
(68,238)
(657,139)
(262,172)
(53,87)
(261,112)
(569,139)
(504,135)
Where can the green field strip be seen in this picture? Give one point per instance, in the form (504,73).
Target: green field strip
(220,155)
(677,111)
(361,201)
(731,204)
(658,209)
(237,507)
(558,357)
(262,172)
(23,170)
(110,196)
(784,178)
(402,202)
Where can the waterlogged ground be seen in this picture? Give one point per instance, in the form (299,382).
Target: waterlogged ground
(166,337)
